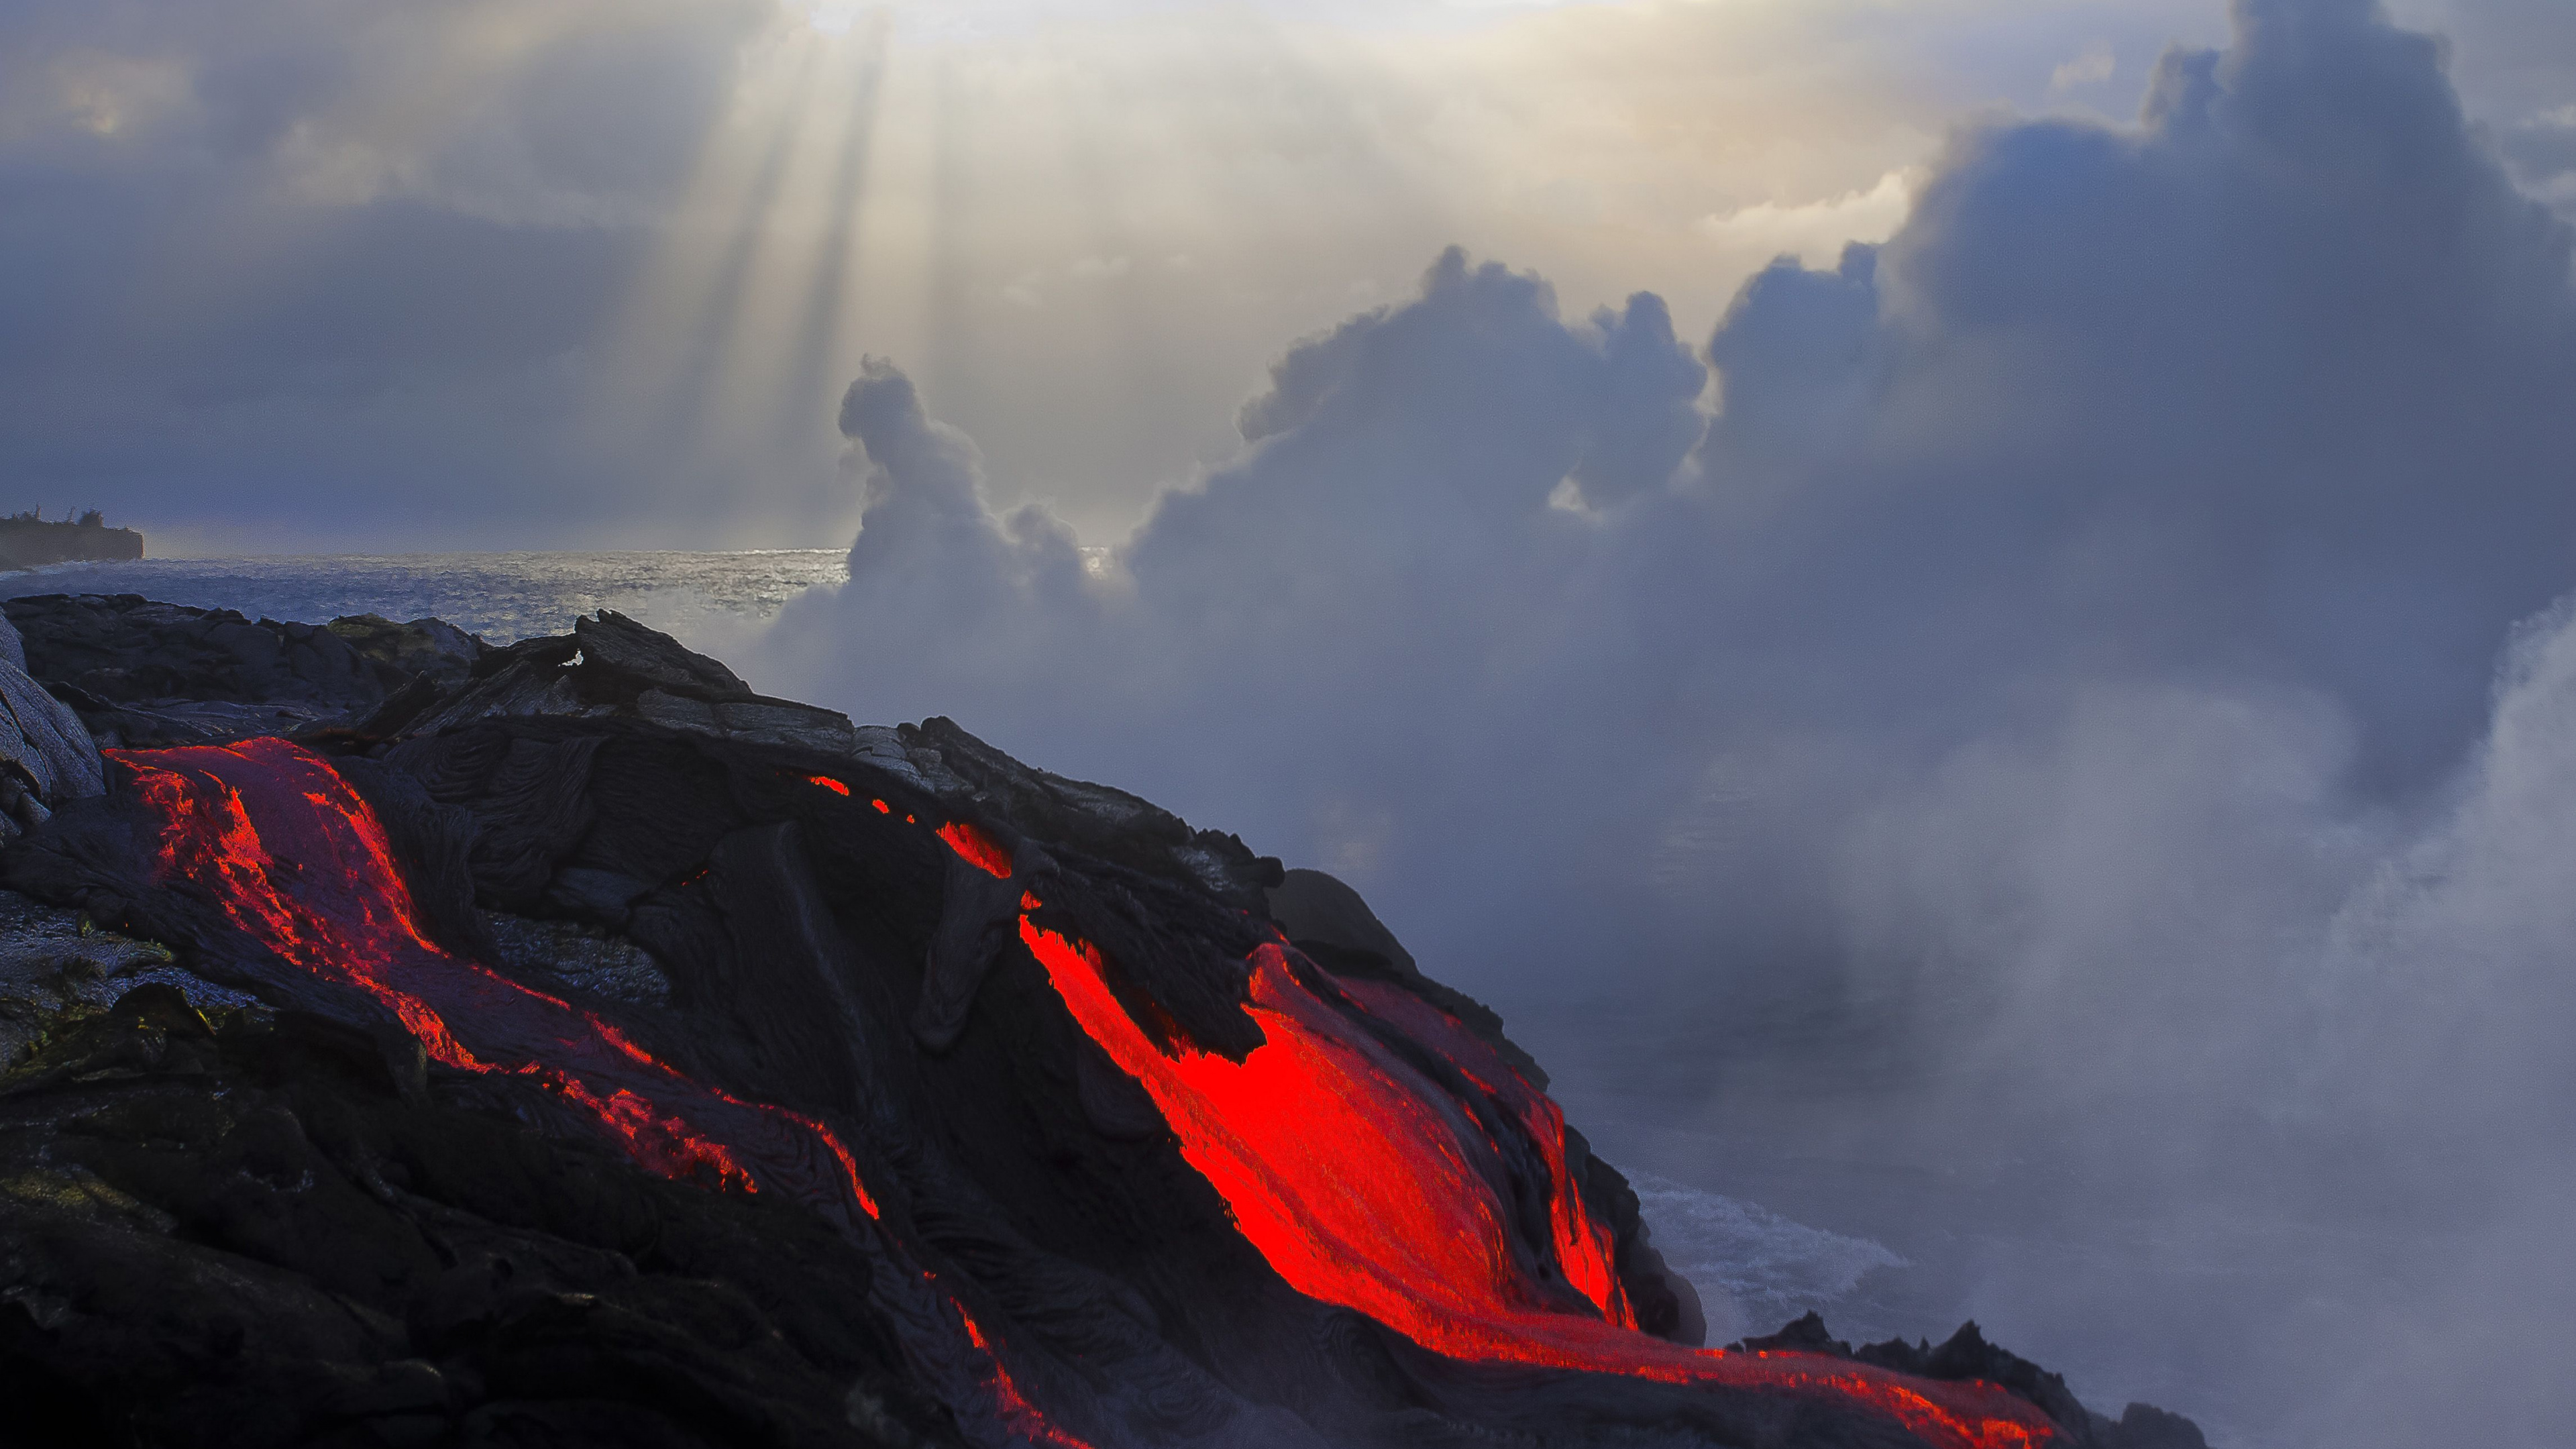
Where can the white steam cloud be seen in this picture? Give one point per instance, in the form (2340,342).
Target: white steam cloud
(2067,658)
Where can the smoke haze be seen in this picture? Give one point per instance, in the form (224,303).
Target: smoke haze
(2075,690)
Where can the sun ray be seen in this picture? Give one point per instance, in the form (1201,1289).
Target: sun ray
(814,211)
(830,314)
(670,342)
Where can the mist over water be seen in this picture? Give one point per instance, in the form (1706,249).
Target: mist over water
(711,600)
(2063,777)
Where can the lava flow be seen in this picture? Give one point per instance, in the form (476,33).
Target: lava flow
(298,860)
(1583,1244)
(1354,1176)
(977,849)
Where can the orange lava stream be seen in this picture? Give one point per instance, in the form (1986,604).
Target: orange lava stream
(978,849)
(1352,1175)
(297,859)
(1583,1244)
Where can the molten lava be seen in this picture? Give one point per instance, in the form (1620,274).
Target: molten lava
(297,860)
(1359,1180)
(1583,1244)
(977,848)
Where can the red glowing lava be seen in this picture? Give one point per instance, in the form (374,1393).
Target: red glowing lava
(297,860)
(1583,1244)
(828,783)
(1013,1407)
(1359,1180)
(979,849)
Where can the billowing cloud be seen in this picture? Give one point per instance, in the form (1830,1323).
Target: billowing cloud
(1814,232)
(2064,659)
(1420,506)
(2268,383)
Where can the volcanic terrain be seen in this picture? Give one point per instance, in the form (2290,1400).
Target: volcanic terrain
(412,1042)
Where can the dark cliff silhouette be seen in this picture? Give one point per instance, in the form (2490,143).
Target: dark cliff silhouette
(28,540)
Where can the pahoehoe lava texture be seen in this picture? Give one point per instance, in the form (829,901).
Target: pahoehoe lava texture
(566,1046)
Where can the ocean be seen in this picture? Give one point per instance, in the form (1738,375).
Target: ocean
(701,598)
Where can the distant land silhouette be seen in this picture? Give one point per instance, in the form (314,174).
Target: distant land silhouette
(28,540)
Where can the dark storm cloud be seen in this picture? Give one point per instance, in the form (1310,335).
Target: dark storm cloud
(261,261)
(2078,625)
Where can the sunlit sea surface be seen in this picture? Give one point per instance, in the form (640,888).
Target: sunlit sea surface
(703,598)
(1755,1268)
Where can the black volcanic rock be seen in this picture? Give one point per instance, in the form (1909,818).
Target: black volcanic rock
(241,1203)
(1096,820)
(217,1233)
(1966,1355)
(140,672)
(129,650)
(431,648)
(46,754)
(611,666)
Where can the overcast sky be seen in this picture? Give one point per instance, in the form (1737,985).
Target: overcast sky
(298,274)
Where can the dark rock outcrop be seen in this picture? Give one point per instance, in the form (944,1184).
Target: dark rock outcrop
(219,1230)
(430,648)
(143,673)
(46,754)
(1966,1356)
(611,666)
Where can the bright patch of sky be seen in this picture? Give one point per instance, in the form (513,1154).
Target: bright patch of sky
(952,19)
